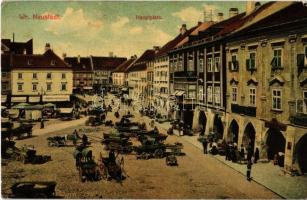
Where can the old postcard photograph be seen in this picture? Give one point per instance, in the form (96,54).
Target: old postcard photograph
(154,99)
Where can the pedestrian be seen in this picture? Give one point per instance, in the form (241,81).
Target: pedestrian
(42,123)
(249,170)
(249,152)
(227,152)
(84,140)
(256,156)
(205,145)
(242,153)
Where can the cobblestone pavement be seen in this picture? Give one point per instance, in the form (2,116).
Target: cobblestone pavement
(197,176)
(266,174)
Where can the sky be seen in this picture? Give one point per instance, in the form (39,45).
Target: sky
(99,27)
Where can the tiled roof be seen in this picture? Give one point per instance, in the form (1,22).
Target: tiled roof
(48,60)
(83,65)
(5,62)
(171,44)
(125,65)
(18,47)
(140,63)
(106,63)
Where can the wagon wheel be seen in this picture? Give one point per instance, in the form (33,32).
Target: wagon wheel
(158,153)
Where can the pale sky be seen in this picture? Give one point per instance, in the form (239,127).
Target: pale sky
(100,27)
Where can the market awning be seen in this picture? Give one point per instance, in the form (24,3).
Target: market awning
(34,107)
(180,93)
(66,110)
(21,106)
(49,105)
(124,89)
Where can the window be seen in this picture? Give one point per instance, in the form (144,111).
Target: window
(234,94)
(217,95)
(305,101)
(201,65)
(63,76)
(251,62)
(233,64)
(20,87)
(4,74)
(276,61)
(190,65)
(30,62)
(63,88)
(52,62)
(276,99)
(49,87)
(19,75)
(192,91)
(252,96)
(179,66)
(209,64)
(209,94)
(217,64)
(48,75)
(34,87)
(201,93)
(34,76)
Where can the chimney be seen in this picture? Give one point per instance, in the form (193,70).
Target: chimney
(64,55)
(111,54)
(156,48)
(250,7)
(220,17)
(233,12)
(47,47)
(13,37)
(183,29)
(257,5)
(79,58)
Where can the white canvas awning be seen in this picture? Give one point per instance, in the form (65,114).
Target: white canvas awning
(180,93)
(66,110)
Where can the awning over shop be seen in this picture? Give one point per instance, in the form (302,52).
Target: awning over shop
(3,98)
(66,110)
(21,106)
(124,89)
(56,98)
(179,93)
(88,88)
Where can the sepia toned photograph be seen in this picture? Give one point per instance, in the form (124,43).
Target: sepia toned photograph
(153,99)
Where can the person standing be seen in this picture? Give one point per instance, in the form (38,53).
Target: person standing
(256,156)
(249,170)
(242,153)
(205,145)
(42,123)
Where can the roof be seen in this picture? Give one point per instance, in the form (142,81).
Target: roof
(17,47)
(287,12)
(5,62)
(125,65)
(140,63)
(83,65)
(107,63)
(173,43)
(48,60)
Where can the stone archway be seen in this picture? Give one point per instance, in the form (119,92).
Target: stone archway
(233,132)
(301,153)
(249,135)
(218,127)
(275,142)
(202,120)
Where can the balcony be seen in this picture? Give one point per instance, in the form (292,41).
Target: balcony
(297,114)
(245,110)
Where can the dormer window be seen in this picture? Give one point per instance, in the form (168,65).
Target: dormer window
(83,66)
(30,62)
(52,62)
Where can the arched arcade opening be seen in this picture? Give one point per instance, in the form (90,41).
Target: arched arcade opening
(233,132)
(249,135)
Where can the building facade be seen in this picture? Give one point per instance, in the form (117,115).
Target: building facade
(267,79)
(40,78)
(83,75)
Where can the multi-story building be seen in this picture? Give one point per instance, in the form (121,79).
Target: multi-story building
(119,74)
(137,76)
(8,48)
(150,81)
(82,73)
(40,78)
(103,68)
(267,84)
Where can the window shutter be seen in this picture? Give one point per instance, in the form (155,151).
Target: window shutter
(274,62)
(229,65)
(247,64)
(237,65)
(300,60)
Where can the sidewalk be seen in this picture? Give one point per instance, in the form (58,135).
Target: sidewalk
(267,175)
(58,127)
